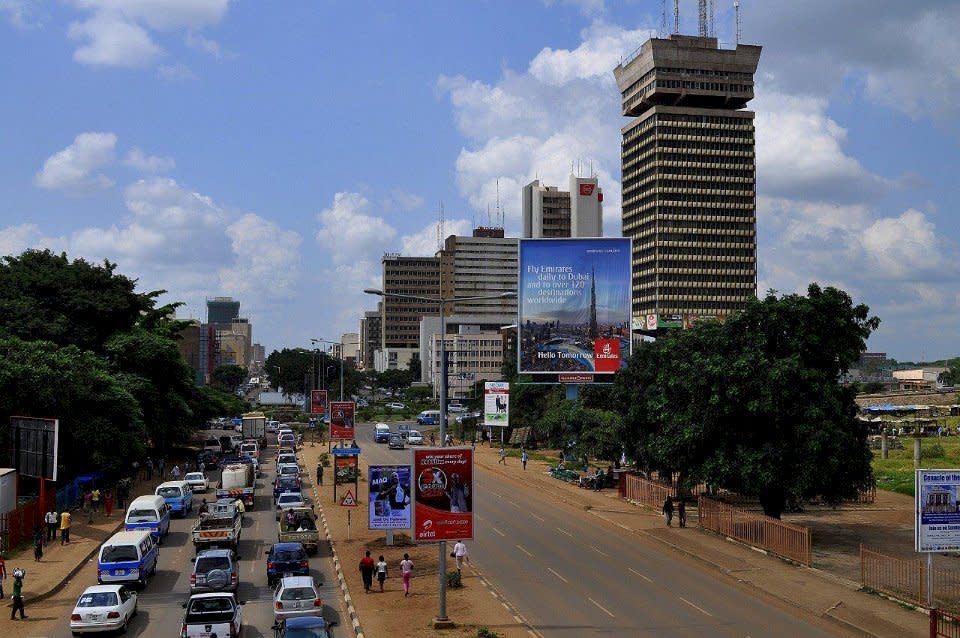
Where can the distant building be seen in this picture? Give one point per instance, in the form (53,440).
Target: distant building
(259,355)
(475,351)
(549,212)
(920,378)
(393,358)
(350,348)
(222,310)
(416,276)
(370,336)
(479,266)
(189,347)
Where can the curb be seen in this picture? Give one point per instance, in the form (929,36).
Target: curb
(73,572)
(351,610)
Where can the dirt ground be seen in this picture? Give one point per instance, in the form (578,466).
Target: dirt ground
(389,613)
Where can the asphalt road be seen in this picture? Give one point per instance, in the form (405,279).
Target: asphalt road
(160,610)
(570,574)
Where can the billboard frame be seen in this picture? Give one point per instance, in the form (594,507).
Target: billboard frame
(34,446)
(383,521)
(340,429)
(429,523)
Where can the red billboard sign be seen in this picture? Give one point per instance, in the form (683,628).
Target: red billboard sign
(606,355)
(341,419)
(443,494)
(318,402)
(587,189)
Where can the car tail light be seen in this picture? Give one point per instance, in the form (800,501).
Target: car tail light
(113,614)
(317,602)
(305,564)
(233,578)
(183,630)
(278,605)
(74,616)
(269,565)
(193,579)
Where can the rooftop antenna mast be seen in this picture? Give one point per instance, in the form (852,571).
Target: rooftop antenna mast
(736,9)
(440,237)
(703,18)
(499,210)
(712,18)
(676,16)
(663,18)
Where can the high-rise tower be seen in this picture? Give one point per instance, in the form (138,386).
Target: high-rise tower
(689,176)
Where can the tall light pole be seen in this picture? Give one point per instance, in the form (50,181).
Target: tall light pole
(336,343)
(278,377)
(441,303)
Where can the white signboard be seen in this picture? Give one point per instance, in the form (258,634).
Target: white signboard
(496,404)
(937,527)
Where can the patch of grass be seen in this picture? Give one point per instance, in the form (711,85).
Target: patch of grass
(896,472)
(484,632)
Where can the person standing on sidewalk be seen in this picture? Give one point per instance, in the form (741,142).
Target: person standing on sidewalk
(319,473)
(18,575)
(50,518)
(162,467)
(503,456)
(64,527)
(668,510)
(175,473)
(95,499)
(88,505)
(406,573)
(148,468)
(682,513)
(460,554)
(381,571)
(366,571)
(108,503)
(37,543)
(523,459)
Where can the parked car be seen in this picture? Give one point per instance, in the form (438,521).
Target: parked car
(103,608)
(284,450)
(197,481)
(296,596)
(381,433)
(290,500)
(395,442)
(395,405)
(414,437)
(286,559)
(288,469)
(303,627)
(286,484)
(214,570)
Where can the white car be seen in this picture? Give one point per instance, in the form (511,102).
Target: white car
(414,437)
(197,481)
(396,406)
(290,500)
(103,608)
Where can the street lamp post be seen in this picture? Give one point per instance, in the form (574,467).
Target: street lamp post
(341,362)
(441,303)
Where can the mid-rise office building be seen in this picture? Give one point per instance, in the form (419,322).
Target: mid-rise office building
(479,266)
(474,345)
(550,212)
(689,177)
(370,335)
(222,310)
(350,348)
(415,276)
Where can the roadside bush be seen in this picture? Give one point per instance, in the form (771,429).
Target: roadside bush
(934,451)
(484,632)
(453,579)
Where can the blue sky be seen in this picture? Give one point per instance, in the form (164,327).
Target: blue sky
(274,151)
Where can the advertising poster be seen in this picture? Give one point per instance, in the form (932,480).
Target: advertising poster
(443,494)
(318,402)
(496,404)
(390,497)
(345,469)
(341,419)
(574,305)
(937,527)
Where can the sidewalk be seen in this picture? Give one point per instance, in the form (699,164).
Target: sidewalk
(60,563)
(811,590)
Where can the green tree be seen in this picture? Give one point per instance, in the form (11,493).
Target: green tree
(230,376)
(394,379)
(414,366)
(290,368)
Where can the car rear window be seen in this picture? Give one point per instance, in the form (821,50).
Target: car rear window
(141,516)
(118,553)
(288,555)
(209,563)
(298,593)
(290,498)
(98,599)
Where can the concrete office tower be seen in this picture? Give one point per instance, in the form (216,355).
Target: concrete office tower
(689,176)
(480,266)
(550,212)
(371,335)
(418,276)
(222,310)
(350,348)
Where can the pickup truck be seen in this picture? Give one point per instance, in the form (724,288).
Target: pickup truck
(215,613)
(237,479)
(305,520)
(219,526)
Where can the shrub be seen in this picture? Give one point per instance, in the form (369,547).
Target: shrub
(934,451)
(484,632)
(453,579)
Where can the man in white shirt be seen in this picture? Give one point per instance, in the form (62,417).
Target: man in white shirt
(460,553)
(50,518)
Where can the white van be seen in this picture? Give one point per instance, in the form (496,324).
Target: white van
(127,557)
(178,496)
(428,417)
(148,513)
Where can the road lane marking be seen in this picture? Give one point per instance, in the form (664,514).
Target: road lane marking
(649,580)
(557,575)
(563,531)
(700,609)
(602,608)
(539,518)
(599,551)
(498,531)
(522,549)
(515,505)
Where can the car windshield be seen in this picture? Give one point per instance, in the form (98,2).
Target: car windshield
(298,593)
(194,476)
(288,555)
(209,563)
(118,553)
(210,605)
(98,599)
(286,499)
(142,516)
(289,469)
(169,492)
(305,632)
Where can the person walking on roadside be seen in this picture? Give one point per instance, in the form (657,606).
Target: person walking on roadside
(162,467)
(406,573)
(668,510)
(366,571)
(64,527)
(503,456)
(381,571)
(319,473)
(50,518)
(37,543)
(18,575)
(148,468)
(682,513)
(108,503)
(175,473)
(3,574)
(95,499)
(88,505)
(460,554)
(523,459)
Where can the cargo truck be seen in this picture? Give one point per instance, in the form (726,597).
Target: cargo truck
(237,481)
(219,526)
(254,426)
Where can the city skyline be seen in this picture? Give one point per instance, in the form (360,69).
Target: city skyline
(215,148)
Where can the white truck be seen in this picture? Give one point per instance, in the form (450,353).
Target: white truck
(219,526)
(237,480)
(254,426)
(216,613)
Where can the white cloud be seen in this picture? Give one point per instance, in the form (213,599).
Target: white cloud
(403,200)
(18,12)
(348,232)
(162,14)
(266,259)
(602,49)
(148,163)
(904,247)
(16,239)
(424,242)
(208,46)
(112,41)
(72,168)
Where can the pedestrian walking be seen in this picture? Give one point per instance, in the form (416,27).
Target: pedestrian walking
(162,467)
(682,513)
(3,574)
(50,518)
(64,527)
(175,473)
(108,503)
(18,575)
(668,510)
(381,571)
(88,505)
(95,499)
(406,573)
(37,543)
(319,473)
(460,554)
(523,459)
(598,480)
(503,456)
(148,468)
(366,571)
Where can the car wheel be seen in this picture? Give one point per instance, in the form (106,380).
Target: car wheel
(75,633)
(136,608)
(123,627)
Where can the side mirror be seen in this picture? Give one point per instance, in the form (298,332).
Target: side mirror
(183,605)
(193,560)
(242,602)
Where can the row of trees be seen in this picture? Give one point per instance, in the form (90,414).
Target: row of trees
(751,404)
(291,369)
(81,344)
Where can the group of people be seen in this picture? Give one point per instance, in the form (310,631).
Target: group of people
(668,512)
(368,567)
(146,470)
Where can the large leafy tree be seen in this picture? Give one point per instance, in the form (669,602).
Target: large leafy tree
(753,404)
(230,376)
(290,368)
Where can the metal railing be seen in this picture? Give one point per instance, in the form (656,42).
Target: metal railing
(644,491)
(943,624)
(775,536)
(16,526)
(906,580)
